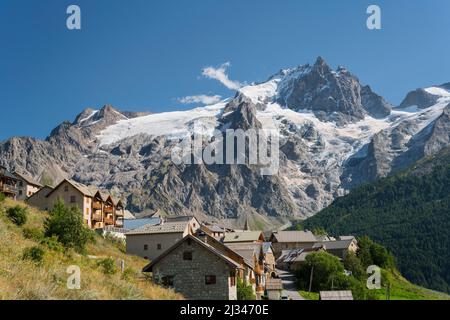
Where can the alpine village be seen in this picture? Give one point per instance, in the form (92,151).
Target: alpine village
(183,257)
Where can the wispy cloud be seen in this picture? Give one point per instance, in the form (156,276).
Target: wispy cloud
(203,99)
(220,74)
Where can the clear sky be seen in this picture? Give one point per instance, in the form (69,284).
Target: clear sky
(147,54)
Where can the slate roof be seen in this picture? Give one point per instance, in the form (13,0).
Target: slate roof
(27,179)
(230,262)
(242,236)
(336,295)
(171,225)
(336,245)
(294,236)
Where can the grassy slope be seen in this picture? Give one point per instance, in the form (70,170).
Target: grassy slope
(401,289)
(21,279)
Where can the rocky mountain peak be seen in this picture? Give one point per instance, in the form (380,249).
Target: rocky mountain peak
(332,95)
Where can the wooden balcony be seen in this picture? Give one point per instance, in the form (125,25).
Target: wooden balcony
(97,217)
(97,206)
(108,209)
(109,221)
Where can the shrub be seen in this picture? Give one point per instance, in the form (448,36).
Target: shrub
(33,234)
(35,254)
(18,215)
(128,274)
(52,243)
(244,291)
(2,197)
(108,266)
(67,225)
(354,265)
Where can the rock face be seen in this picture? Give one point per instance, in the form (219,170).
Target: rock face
(332,95)
(333,132)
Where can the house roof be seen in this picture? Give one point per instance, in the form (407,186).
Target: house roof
(336,295)
(7,174)
(336,245)
(230,262)
(242,236)
(27,179)
(85,190)
(44,190)
(274,284)
(294,236)
(169,226)
(266,247)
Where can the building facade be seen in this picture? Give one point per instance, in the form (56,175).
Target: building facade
(150,241)
(196,270)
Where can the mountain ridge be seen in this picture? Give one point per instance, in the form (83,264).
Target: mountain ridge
(326,149)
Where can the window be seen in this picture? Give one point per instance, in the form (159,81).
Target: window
(20,184)
(73,199)
(66,188)
(158,246)
(189,242)
(20,192)
(167,281)
(210,280)
(145,247)
(187,255)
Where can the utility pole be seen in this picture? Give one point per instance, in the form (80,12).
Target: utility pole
(311,278)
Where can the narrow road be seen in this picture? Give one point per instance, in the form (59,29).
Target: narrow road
(289,287)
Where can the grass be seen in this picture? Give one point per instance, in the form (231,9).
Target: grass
(309,295)
(401,289)
(24,279)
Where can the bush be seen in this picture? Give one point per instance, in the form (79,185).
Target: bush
(108,266)
(53,244)
(371,253)
(354,265)
(34,234)
(2,197)
(18,215)
(35,254)
(67,225)
(244,291)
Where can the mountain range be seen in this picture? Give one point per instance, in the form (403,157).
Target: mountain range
(335,134)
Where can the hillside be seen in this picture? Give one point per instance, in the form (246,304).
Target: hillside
(24,279)
(409,213)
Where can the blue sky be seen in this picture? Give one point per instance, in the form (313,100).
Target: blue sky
(144,55)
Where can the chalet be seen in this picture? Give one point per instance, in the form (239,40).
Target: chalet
(340,248)
(253,253)
(8,183)
(243,237)
(197,270)
(150,241)
(215,230)
(99,209)
(287,240)
(26,186)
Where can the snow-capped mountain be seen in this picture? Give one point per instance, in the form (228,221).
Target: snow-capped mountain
(335,134)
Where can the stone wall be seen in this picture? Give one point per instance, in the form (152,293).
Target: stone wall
(189,276)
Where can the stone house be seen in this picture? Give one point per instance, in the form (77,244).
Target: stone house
(39,199)
(151,240)
(289,240)
(26,186)
(196,270)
